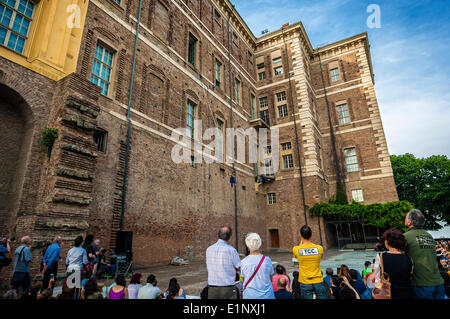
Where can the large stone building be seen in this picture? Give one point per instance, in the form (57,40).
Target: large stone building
(67,65)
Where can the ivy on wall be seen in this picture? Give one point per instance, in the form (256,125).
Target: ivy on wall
(388,215)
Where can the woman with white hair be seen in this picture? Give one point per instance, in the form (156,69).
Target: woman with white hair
(257,271)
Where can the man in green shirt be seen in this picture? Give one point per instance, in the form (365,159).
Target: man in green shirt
(421,247)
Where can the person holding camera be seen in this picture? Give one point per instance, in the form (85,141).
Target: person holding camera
(5,248)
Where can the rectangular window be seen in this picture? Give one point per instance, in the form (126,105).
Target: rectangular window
(218,74)
(351,160)
(286,146)
(192,54)
(217,16)
(271,198)
(101,68)
(119,2)
(265,116)
(335,75)
(268,149)
(220,141)
(357,195)
(281,96)
(190,117)
(260,66)
(263,102)
(250,57)
(268,165)
(100,138)
(278,70)
(262,76)
(238,91)
(277,60)
(15,21)
(282,111)
(288,162)
(253,105)
(343,114)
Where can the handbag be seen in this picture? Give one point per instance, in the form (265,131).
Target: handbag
(383,291)
(251,278)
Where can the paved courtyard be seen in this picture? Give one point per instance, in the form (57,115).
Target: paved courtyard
(193,277)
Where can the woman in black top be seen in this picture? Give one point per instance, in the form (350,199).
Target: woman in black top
(396,264)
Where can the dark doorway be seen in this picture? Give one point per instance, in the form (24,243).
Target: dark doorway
(274,238)
(16,127)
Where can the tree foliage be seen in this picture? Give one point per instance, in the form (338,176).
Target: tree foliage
(388,215)
(424,182)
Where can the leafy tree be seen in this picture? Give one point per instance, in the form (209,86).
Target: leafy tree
(424,182)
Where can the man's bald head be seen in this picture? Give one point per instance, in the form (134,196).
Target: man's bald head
(225,233)
(282,283)
(26,240)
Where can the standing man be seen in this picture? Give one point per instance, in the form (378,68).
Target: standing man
(421,247)
(310,276)
(50,261)
(21,272)
(222,262)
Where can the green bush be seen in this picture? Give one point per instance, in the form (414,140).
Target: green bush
(386,215)
(48,139)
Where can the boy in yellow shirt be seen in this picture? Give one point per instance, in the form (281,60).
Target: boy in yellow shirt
(310,275)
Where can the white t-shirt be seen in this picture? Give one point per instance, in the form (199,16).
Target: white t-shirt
(149,292)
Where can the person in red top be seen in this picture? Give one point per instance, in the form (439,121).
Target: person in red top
(280,272)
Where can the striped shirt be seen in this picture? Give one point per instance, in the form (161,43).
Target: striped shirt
(222,260)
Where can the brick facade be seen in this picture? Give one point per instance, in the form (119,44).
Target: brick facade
(176,209)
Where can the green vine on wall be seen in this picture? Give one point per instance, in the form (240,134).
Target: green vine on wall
(383,216)
(48,139)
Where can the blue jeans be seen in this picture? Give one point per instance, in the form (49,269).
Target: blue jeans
(429,292)
(308,290)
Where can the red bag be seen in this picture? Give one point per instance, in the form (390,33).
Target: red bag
(251,278)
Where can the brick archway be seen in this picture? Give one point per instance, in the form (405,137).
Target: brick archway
(16,131)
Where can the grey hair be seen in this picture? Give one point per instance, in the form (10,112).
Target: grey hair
(58,239)
(253,241)
(416,218)
(25,239)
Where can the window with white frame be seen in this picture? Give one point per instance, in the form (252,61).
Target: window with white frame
(218,74)
(334,73)
(101,68)
(262,76)
(277,60)
(281,96)
(288,161)
(219,153)
(190,118)
(282,111)
(268,165)
(237,88)
(351,160)
(15,21)
(343,114)
(263,102)
(357,195)
(278,70)
(271,198)
(286,146)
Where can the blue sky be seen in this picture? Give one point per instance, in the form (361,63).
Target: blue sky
(410,54)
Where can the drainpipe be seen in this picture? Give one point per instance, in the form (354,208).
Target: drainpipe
(127,154)
(232,126)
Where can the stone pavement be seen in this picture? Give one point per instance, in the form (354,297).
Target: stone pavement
(193,277)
